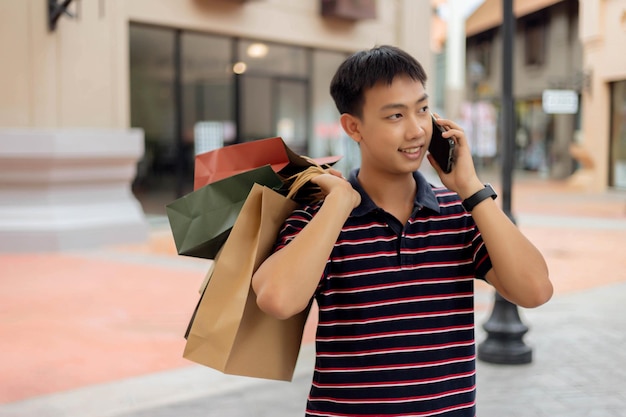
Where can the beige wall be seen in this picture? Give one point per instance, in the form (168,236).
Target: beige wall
(77,76)
(405,23)
(603,34)
(295,22)
(73,77)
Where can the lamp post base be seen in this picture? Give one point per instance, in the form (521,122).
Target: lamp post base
(505,330)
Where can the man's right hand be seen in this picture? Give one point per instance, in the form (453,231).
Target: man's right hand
(334,182)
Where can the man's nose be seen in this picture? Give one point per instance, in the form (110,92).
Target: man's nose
(416,129)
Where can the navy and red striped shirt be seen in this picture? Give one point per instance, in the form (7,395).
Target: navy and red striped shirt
(395,334)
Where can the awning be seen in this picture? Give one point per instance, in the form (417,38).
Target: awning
(489,14)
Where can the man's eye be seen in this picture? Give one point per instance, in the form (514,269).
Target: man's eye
(424,109)
(395,116)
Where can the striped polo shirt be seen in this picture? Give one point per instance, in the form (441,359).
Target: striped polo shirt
(395,334)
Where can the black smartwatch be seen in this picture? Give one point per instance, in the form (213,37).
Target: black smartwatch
(470,202)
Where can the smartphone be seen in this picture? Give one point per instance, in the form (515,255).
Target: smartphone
(441,148)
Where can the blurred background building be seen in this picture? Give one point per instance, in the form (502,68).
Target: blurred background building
(105,103)
(569,79)
(101,97)
(547,56)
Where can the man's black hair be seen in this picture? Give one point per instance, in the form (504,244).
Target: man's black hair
(364,69)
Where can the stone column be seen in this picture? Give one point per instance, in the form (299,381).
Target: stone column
(69,188)
(455,60)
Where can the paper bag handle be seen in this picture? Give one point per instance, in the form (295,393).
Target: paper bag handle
(297,181)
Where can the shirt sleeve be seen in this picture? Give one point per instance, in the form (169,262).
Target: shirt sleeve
(482,262)
(296,221)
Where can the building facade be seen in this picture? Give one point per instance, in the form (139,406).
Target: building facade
(566,50)
(111,94)
(603,35)
(547,56)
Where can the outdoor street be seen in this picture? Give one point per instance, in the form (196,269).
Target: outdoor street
(99,332)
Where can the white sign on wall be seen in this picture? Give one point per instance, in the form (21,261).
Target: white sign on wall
(560,101)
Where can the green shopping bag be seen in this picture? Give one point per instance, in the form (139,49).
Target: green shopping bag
(202,220)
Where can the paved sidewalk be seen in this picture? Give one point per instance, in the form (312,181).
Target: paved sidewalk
(577,342)
(578,356)
(99,332)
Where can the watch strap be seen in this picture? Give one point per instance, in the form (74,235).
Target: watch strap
(472,201)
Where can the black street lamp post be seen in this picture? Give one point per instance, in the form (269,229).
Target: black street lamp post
(504,344)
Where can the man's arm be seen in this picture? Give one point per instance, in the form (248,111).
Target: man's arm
(286,281)
(519,272)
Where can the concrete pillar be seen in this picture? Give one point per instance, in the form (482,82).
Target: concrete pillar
(455,60)
(69,188)
(413,24)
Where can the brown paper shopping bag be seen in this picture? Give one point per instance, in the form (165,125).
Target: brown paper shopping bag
(229,332)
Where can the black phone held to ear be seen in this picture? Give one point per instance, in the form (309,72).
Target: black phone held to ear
(441,148)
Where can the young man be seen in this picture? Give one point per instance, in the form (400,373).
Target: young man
(391,259)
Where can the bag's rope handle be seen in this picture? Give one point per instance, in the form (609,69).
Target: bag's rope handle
(301,178)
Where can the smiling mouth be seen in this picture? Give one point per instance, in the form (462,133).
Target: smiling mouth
(413,150)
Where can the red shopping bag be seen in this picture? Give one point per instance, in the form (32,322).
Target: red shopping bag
(233,159)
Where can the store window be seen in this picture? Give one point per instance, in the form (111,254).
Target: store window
(273,59)
(328,137)
(207,105)
(535,39)
(152,106)
(618,135)
(181,89)
(533,136)
(273,92)
(192,92)
(480,50)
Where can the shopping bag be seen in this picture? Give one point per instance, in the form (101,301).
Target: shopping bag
(228,331)
(201,220)
(230,160)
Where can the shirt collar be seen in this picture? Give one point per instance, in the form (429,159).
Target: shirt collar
(425,196)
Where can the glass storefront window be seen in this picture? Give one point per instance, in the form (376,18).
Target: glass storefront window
(192,92)
(255,97)
(152,105)
(208,107)
(327,135)
(182,96)
(273,59)
(291,113)
(273,92)
(532,136)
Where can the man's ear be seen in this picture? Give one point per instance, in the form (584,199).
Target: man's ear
(352,126)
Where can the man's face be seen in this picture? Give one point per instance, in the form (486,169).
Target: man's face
(395,127)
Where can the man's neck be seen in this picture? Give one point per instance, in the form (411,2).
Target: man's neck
(393,193)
